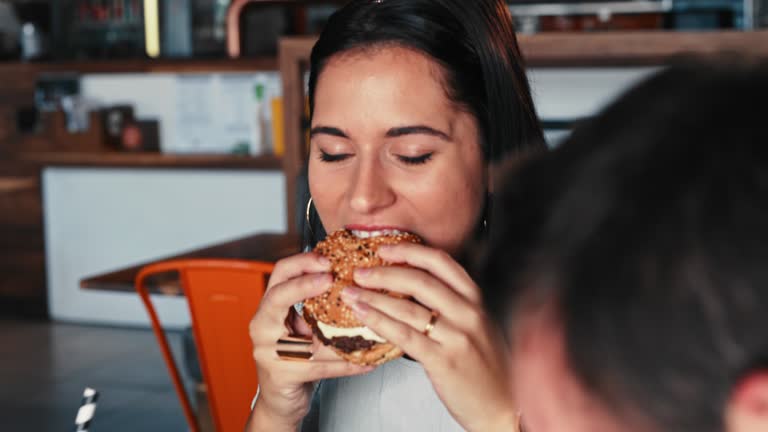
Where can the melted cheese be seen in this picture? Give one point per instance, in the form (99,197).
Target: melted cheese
(332,332)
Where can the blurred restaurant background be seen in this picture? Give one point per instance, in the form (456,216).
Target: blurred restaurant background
(136,130)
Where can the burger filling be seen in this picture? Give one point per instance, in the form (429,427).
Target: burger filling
(331,332)
(350,344)
(347,339)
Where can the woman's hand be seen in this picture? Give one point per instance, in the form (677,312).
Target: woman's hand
(463,354)
(285,385)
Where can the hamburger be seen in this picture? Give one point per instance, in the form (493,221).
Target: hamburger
(332,321)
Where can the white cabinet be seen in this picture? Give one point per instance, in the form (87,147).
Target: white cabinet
(99,220)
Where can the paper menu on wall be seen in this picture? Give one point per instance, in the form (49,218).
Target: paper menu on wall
(195,130)
(235,106)
(224,113)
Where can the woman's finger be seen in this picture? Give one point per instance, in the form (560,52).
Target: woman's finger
(276,302)
(323,362)
(415,343)
(435,261)
(417,283)
(297,324)
(297,265)
(405,310)
(315,370)
(429,323)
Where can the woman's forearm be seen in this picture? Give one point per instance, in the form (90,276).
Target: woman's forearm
(262,421)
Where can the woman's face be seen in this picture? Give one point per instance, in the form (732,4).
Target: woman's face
(389,150)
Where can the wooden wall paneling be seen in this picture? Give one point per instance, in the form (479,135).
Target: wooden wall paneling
(17,88)
(293,59)
(22,241)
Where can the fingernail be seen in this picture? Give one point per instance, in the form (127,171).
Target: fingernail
(324,261)
(360,309)
(362,273)
(322,280)
(350,294)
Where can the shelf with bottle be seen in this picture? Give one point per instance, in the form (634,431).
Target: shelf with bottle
(108,13)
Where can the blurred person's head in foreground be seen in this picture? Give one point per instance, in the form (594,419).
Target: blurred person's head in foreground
(629,268)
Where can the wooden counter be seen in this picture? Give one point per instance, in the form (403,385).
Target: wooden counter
(213,65)
(150,160)
(642,48)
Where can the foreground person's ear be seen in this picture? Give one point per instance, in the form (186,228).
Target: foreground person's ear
(747,409)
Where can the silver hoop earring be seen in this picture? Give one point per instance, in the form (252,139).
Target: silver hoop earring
(306,217)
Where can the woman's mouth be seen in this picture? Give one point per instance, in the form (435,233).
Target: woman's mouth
(376,233)
(363,231)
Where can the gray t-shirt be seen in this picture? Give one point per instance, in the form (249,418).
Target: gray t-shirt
(396,396)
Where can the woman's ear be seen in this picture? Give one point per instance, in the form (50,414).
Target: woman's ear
(747,409)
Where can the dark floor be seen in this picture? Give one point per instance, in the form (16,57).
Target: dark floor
(44,368)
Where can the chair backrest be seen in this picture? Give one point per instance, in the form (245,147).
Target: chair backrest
(222,295)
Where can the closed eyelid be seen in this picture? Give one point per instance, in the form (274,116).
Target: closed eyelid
(331,147)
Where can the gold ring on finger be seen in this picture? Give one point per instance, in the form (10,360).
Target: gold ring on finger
(431,324)
(294,348)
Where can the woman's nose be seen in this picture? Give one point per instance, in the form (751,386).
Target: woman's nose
(370,190)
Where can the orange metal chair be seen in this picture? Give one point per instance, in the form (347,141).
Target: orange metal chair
(223,295)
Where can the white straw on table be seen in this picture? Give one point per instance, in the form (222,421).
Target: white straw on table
(86,411)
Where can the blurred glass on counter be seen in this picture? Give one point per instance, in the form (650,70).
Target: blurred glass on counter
(103,28)
(77,111)
(33,42)
(209,26)
(10,30)
(50,89)
(176,39)
(711,14)
(602,15)
(761,13)
(317,16)
(595,15)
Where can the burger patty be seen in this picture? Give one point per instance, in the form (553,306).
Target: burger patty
(346,344)
(351,344)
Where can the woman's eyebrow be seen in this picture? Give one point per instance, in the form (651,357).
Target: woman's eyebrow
(417,129)
(327,130)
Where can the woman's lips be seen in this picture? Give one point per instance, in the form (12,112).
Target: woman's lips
(365,227)
(367,231)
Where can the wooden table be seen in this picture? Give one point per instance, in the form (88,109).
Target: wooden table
(261,247)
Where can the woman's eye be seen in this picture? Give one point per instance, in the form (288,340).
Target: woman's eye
(328,157)
(416,160)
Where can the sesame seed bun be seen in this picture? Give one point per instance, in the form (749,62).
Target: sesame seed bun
(346,253)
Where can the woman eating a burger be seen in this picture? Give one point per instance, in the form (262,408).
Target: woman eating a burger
(410,103)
